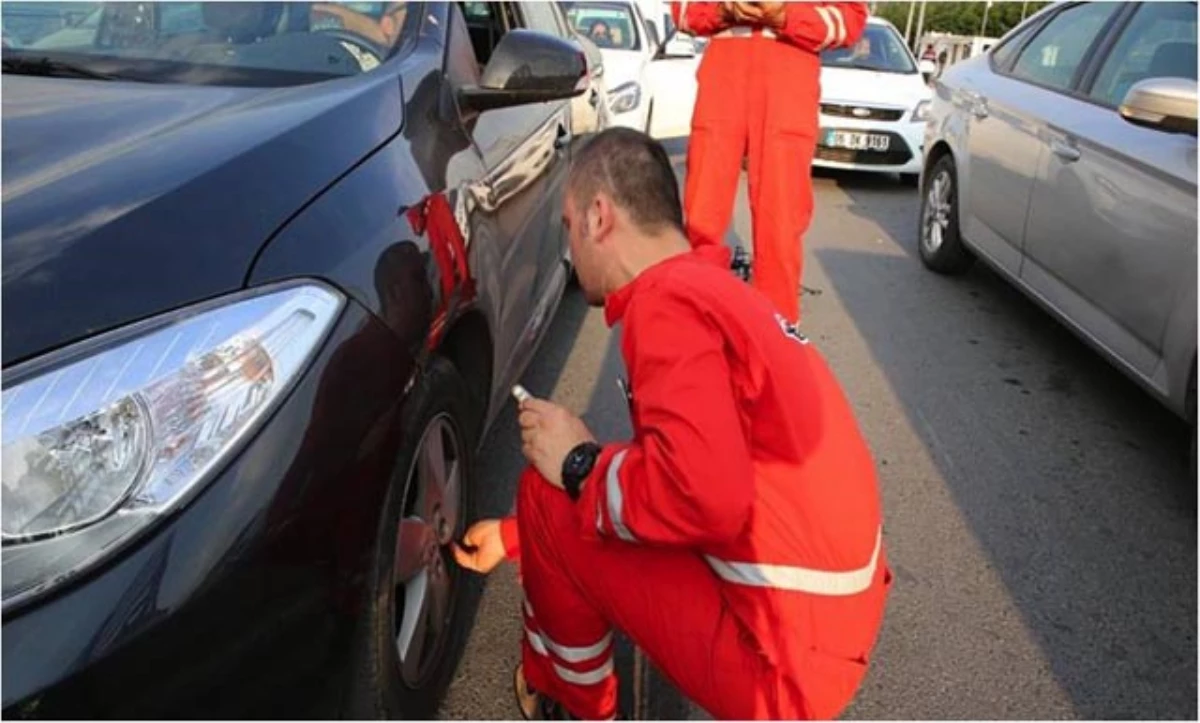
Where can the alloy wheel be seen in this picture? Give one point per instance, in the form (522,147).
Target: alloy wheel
(935,220)
(425,571)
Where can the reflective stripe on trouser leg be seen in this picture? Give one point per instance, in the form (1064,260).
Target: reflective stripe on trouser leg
(568,671)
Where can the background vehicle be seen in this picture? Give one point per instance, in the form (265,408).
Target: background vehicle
(1066,159)
(673,75)
(640,81)
(266,282)
(874,101)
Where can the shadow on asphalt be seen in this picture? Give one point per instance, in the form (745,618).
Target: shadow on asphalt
(1095,544)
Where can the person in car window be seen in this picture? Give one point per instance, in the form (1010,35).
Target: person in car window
(600,34)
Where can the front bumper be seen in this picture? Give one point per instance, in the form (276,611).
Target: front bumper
(241,604)
(904,151)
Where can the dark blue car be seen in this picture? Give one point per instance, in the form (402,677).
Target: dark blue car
(269,270)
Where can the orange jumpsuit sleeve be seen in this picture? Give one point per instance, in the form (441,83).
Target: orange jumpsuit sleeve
(510,537)
(698,18)
(820,26)
(686,478)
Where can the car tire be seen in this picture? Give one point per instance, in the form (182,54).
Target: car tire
(912,180)
(383,687)
(938,239)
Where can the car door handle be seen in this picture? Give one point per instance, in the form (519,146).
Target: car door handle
(1064,150)
(594,98)
(562,139)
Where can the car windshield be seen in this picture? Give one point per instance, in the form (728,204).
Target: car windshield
(610,26)
(204,43)
(880,48)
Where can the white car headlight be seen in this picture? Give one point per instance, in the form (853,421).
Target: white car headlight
(921,112)
(103,437)
(625,97)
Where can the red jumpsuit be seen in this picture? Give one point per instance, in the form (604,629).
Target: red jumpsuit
(759,92)
(736,539)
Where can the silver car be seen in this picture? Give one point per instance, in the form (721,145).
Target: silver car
(1066,159)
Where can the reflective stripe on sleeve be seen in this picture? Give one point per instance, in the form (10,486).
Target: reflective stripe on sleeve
(800,579)
(612,489)
(830,27)
(836,12)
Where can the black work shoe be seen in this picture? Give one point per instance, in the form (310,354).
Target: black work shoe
(534,705)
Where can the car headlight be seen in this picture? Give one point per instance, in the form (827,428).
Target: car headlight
(921,112)
(625,97)
(107,435)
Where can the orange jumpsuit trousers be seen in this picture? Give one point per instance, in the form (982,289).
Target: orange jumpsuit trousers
(759,93)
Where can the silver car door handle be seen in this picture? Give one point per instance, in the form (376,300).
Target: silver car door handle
(1065,151)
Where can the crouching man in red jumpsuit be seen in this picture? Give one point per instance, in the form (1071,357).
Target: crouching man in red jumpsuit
(736,539)
(759,93)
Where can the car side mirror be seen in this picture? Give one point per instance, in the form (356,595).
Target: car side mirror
(527,67)
(928,68)
(676,46)
(1165,104)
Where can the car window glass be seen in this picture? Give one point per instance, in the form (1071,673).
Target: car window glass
(1055,54)
(610,25)
(1160,42)
(212,43)
(879,48)
(486,24)
(1008,49)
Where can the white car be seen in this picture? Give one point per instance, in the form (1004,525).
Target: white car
(874,103)
(634,70)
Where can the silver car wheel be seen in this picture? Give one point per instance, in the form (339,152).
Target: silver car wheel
(935,220)
(425,572)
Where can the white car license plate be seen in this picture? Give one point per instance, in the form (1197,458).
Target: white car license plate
(856,141)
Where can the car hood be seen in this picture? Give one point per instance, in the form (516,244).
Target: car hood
(622,66)
(122,200)
(870,88)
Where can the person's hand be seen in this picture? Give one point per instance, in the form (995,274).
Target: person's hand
(772,14)
(486,547)
(548,434)
(746,13)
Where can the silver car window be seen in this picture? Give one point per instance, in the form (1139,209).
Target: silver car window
(1159,42)
(1053,57)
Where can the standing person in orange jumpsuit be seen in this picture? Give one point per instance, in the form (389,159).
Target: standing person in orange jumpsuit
(759,93)
(736,538)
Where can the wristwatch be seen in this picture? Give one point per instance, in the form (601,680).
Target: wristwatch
(577,466)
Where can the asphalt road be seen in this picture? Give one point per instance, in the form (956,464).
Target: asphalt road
(1039,514)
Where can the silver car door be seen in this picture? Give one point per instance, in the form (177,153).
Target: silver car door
(1112,225)
(1005,109)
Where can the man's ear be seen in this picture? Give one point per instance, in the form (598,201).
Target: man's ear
(601,216)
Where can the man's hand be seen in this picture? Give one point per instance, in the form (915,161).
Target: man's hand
(772,14)
(487,547)
(548,434)
(745,13)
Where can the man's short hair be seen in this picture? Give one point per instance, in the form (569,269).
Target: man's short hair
(635,171)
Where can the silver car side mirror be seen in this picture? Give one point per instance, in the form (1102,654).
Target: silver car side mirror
(1167,104)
